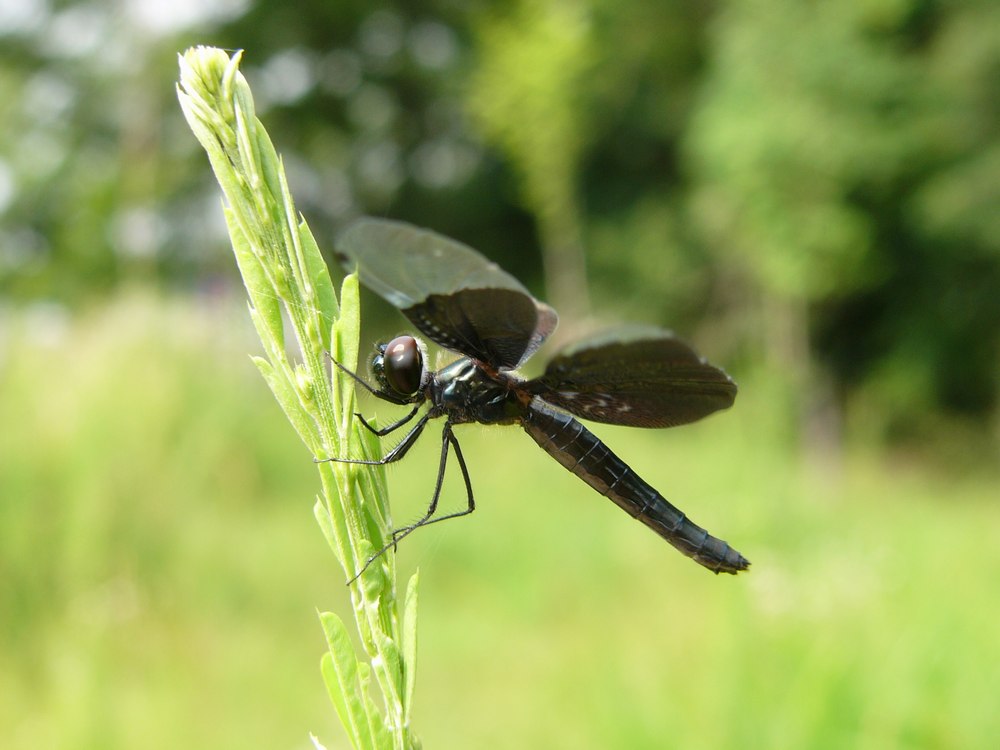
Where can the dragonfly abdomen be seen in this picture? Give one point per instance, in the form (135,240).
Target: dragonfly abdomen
(583,453)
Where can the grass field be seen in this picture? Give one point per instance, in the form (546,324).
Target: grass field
(160,572)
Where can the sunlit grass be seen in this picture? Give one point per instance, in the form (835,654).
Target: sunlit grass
(160,572)
(152,500)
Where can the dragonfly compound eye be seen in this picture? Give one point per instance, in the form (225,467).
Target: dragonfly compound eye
(403,365)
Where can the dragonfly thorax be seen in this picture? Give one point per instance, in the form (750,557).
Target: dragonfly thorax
(467,393)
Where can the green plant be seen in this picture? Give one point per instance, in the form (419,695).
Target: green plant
(285,275)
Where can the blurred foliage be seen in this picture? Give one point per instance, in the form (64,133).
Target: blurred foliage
(837,178)
(528,92)
(810,186)
(809,189)
(131,573)
(160,570)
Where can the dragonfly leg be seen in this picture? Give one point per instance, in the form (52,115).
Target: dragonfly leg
(357,378)
(383,431)
(380,393)
(447,439)
(396,453)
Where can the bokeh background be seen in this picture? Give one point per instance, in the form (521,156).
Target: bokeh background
(810,192)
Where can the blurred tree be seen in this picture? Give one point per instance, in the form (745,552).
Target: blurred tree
(649,61)
(819,181)
(817,126)
(104,183)
(92,147)
(529,92)
(944,308)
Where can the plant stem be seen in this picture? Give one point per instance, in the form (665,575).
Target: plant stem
(285,275)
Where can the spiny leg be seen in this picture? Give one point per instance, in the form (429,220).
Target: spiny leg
(376,392)
(380,394)
(397,452)
(447,439)
(393,455)
(383,431)
(471,506)
(357,378)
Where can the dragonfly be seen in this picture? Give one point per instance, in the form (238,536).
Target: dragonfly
(639,376)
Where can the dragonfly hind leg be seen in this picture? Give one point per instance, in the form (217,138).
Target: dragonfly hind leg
(448,440)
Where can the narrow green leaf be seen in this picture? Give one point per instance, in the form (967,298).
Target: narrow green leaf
(265,302)
(393,660)
(268,159)
(325,524)
(340,673)
(374,579)
(288,398)
(409,645)
(344,346)
(348,325)
(377,727)
(380,730)
(319,276)
(331,679)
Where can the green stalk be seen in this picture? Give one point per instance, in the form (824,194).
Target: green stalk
(289,285)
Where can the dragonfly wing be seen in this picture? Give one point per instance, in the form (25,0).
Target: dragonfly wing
(639,377)
(451,293)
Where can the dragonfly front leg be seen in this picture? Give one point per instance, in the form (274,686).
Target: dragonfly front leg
(396,453)
(383,431)
(380,393)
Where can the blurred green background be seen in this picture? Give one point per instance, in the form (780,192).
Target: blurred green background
(808,191)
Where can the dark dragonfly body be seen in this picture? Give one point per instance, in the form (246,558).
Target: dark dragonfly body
(584,454)
(642,377)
